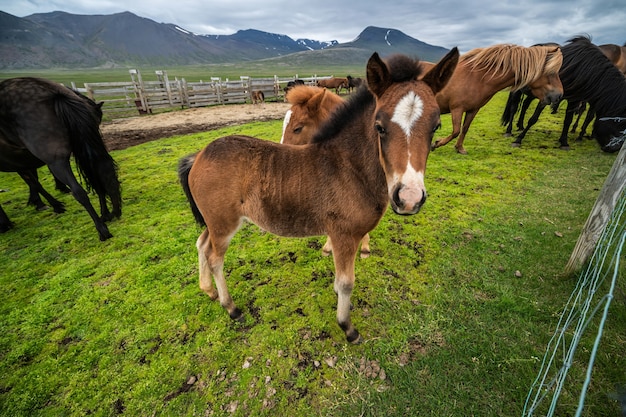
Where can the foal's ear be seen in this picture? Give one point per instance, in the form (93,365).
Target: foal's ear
(315,102)
(378,78)
(440,74)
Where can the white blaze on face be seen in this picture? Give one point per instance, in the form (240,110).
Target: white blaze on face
(408,111)
(285,123)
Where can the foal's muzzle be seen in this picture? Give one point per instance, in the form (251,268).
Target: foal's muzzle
(407,200)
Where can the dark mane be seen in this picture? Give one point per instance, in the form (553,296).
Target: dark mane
(588,75)
(403,68)
(357,104)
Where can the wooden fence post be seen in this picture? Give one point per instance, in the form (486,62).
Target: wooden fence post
(140,99)
(600,213)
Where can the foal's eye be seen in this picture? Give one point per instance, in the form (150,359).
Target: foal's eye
(380,129)
(297,129)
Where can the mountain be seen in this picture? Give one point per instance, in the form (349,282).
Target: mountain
(64,40)
(387,41)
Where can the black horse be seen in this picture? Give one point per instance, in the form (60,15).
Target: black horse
(43,123)
(587,76)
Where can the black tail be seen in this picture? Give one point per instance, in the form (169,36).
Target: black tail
(95,165)
(511,107)
(184,166)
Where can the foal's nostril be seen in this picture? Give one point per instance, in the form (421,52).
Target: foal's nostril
(423,200)
(396,196)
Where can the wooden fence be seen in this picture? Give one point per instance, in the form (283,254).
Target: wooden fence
(127,98)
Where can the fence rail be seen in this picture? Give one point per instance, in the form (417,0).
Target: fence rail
(123,99)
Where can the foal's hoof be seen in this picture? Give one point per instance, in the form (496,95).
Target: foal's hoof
(516,144)
(326,252)
(365,254)
(354,338)
(462,151)
(237,315)
(507,135)
(564,148)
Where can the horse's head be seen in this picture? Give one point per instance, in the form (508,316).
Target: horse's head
(310,107)
(405,120)
(547,86)
(610,132)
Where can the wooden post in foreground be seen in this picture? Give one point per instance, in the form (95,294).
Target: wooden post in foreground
(600,214)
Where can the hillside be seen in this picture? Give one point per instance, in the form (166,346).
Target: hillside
(64,40)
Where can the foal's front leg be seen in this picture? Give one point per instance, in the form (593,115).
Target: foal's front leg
(344,253)
(365,247)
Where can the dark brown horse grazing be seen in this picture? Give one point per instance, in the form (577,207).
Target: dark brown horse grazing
(372,151)
(353,83)
(43,123)
(310,108)
(335,82)
(482,72)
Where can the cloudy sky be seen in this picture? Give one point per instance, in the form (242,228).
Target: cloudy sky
(464,23)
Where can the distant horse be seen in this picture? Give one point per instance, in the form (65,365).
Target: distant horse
(588,76)
(353,83)
(43,123)
(482,72)
(335,82)
(372,151)
(292,84)
(257,97)
(310,108)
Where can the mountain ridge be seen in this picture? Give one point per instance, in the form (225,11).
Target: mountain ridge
(64,40)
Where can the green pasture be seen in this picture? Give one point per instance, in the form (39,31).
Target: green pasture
(191,73)
(456,304)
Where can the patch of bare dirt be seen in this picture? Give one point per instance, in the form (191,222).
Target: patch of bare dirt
(122,133)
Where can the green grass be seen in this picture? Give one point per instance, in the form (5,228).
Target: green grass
(191,73)
(120,327)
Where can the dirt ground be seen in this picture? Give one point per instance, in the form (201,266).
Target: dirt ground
(122,133)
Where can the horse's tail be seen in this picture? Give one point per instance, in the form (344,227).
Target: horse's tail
(184,166)
(511,107)
(95,165)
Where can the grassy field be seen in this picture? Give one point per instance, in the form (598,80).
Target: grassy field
(456,304)
(190,73)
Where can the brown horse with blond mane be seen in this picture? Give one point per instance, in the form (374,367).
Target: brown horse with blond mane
(371,152)
(310,108)
(482,72)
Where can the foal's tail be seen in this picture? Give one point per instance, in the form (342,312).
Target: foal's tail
(81,118)
(510,109)
(184,166)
